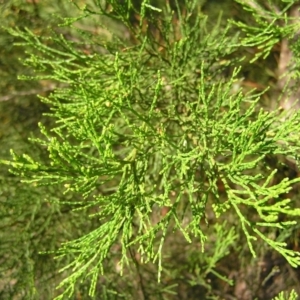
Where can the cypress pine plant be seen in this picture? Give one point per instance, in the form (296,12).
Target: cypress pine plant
(155,151)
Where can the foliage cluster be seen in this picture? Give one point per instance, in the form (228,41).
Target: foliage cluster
(154,152)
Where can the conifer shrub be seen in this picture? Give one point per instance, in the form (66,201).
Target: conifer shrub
(157,162)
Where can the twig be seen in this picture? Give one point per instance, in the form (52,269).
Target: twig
(255,6)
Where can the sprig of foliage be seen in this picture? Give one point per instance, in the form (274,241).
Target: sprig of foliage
(269,28)
(282,296)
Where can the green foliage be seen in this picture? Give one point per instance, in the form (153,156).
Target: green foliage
(283,296)
(146,127)
(270,27)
